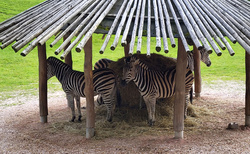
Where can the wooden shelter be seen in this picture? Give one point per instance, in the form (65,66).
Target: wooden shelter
(205,22)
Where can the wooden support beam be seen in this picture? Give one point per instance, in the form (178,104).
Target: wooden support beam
(126,47)
(89,90)
(197,71)
(247,96)
(43,99)
(68,58)
(179,102)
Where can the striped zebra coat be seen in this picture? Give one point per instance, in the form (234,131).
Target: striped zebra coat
(102,63)
(154,84)
(73,84)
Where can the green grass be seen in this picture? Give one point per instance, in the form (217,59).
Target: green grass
(21,73)
(226,67)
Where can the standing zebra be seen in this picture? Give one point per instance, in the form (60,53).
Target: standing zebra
(190,64)
(73,84)
(154,84)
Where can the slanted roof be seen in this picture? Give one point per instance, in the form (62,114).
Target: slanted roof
(206,22)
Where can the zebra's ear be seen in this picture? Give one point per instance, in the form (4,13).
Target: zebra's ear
(191,52)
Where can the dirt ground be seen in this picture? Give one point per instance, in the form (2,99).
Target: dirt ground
(221,102)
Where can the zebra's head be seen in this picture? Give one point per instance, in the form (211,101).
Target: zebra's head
(205,57)
(50,68)
(130,69)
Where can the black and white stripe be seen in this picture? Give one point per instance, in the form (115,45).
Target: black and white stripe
(154,84)
(102,63)
(73,84)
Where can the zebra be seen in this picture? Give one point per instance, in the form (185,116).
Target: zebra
(154,84)
(190,64)
(73,84)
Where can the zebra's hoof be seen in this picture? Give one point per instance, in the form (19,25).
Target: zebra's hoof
(80,119)
(151,123)
(73,119)
(109,119)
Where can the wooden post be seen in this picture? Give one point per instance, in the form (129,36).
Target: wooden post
(68,58)
(179,102)
(247,96)
(197,71)
(126,47)
(43,99)
(89,90)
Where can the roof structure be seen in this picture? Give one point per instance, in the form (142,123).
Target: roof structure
(205,22)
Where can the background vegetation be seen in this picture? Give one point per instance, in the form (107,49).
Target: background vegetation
(19,73)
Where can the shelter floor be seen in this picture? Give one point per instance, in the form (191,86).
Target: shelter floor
(220,104)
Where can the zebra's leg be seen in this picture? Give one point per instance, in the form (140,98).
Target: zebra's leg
(110,109)
(99,100)
(70,99)
(109,101)
(118,98)
(152,102)
(141,102)
(186,106)
(78,108)
(191,95)
(149,109)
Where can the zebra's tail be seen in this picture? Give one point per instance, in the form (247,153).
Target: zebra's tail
(191,95)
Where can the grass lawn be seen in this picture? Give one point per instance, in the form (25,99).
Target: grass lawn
(21,73)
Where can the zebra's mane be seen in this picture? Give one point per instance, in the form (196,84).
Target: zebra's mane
(143,65)
(56,61)
(148,68)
